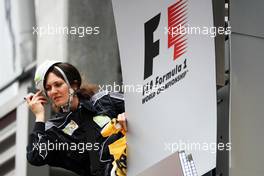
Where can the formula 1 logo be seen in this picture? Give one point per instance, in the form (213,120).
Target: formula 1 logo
(177,18)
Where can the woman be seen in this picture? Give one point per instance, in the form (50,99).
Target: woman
(72,138)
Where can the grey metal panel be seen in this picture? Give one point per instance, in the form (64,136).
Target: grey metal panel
(247,17)
(247,104)
(97,56)
(219,21)
(56,171)
(222,159)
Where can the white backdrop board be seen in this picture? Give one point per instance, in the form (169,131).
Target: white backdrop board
(178,103)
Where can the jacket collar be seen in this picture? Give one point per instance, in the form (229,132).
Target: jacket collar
(60,117)
(87,104)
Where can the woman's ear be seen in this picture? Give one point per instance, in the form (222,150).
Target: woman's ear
(75,85)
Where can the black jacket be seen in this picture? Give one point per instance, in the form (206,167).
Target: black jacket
(73,140)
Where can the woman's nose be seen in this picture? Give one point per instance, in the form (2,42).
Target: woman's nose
(53,90)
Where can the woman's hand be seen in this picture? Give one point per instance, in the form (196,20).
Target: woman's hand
(36,104)
(121,118)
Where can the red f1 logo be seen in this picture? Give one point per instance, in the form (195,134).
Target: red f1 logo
(177,16)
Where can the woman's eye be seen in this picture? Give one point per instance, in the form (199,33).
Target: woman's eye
(58,85)
(55,85)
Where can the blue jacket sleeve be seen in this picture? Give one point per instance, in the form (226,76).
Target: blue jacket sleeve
(109,103)
(37,148)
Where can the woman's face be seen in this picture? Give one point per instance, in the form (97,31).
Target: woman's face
(57,89)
